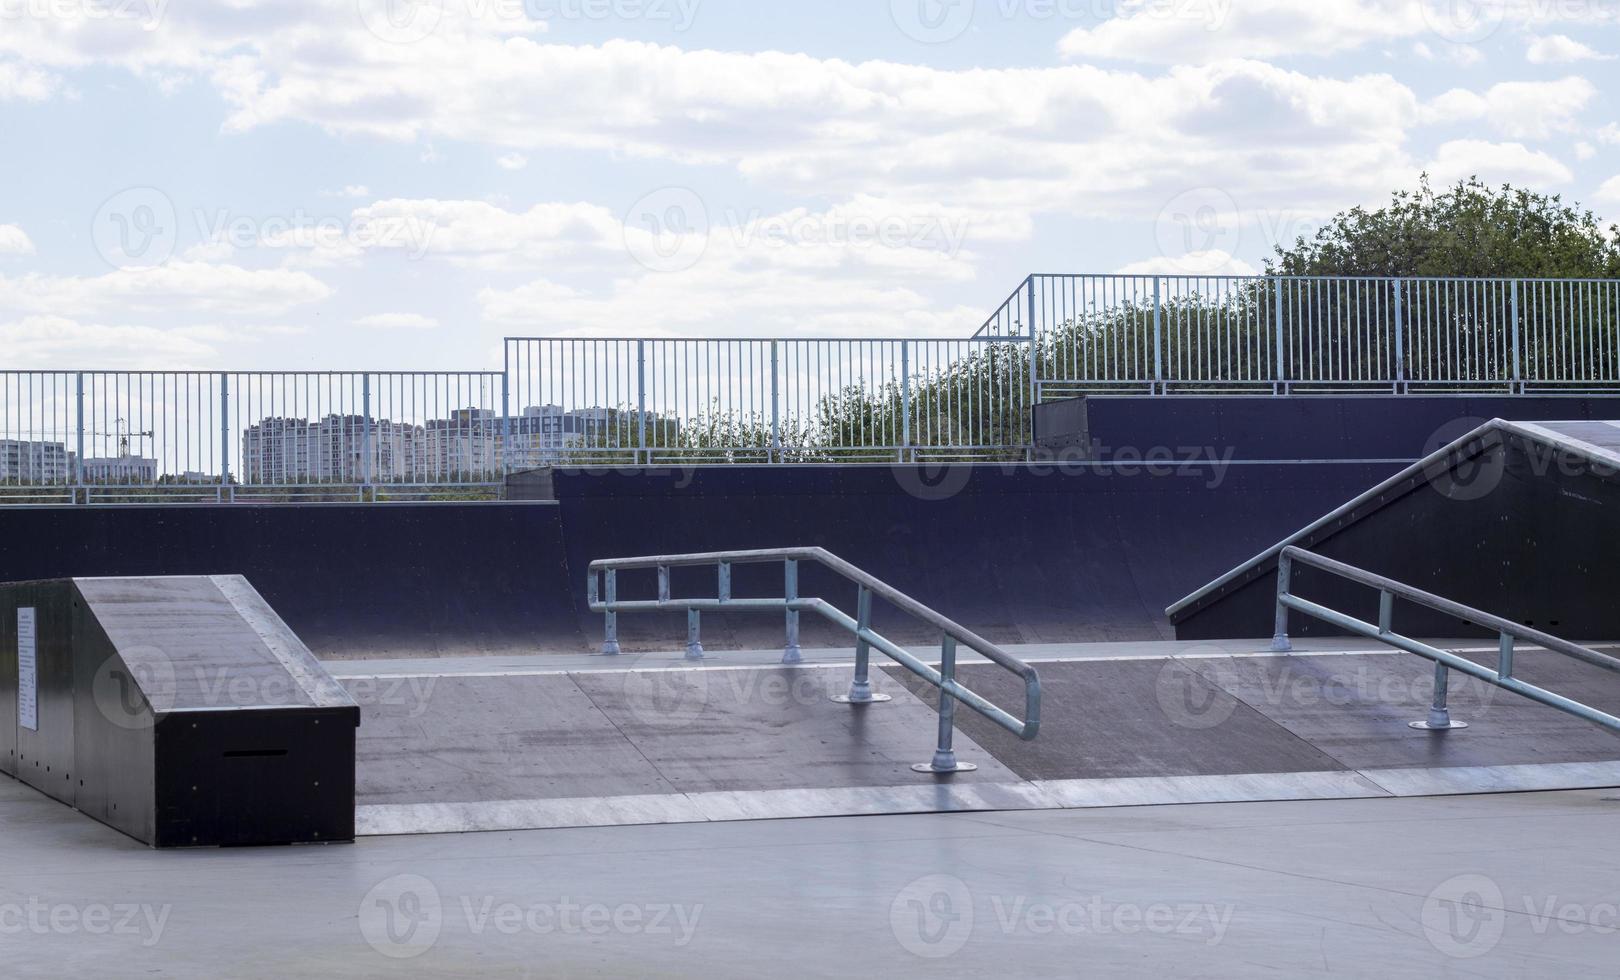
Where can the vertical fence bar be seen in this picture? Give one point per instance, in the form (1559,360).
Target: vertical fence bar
(1517,375)
(224,430)
(1158,335)
(644,455)
(365,435)
(905,401)
(78,463)
(1280,372)
(1400,333)
(775,455)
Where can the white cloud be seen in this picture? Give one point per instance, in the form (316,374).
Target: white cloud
(1497,163)
(512,161)
(1192,32)
(1211,263)
(1609,135)
(1609,192)
(47,342)
(349,190)
(1519,110)
(183,286)
(397,321)
(21,83)
(15,241)
(1557,49)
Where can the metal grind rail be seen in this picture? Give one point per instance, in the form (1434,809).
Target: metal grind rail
(1509,634)
(606,600)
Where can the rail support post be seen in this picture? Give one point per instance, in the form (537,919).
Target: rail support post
(1285,575)
(860,690)
(694,635)
(791,654)
(945,755)
(1439,714)
(610,619)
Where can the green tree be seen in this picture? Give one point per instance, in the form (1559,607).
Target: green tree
(1469,229)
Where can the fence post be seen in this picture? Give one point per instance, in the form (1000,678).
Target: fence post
(905,400)
(365,435)
(642,455)
(1518,375)
(775,455)
(1034,384)
(78,462)
(1158,334)
(1277,318)
(224,429)
(506,412)
(1400,334)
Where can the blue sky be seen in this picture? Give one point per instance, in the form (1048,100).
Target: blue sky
(325,184)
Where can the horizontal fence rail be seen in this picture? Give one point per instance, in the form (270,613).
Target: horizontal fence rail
(602,592)
(220,436)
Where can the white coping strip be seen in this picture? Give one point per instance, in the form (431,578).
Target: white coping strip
(510,815)
(654,665)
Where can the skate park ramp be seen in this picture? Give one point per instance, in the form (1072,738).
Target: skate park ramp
(1515,518)
(663,742)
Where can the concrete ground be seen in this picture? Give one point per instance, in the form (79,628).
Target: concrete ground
(1505,885)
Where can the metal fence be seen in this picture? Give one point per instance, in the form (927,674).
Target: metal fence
(761,401)
(109,437)
(99,437)
(1163,334)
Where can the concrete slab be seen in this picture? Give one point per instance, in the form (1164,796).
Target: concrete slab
(1356,710)
(478,739)
(1137,718)
(1326,888)
(720,730)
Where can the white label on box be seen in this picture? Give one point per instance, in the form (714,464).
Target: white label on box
(27,672)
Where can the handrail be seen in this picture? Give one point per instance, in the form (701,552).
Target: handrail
(606,601)
(1389,590)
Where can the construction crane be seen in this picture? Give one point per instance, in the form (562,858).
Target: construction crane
(123,435)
